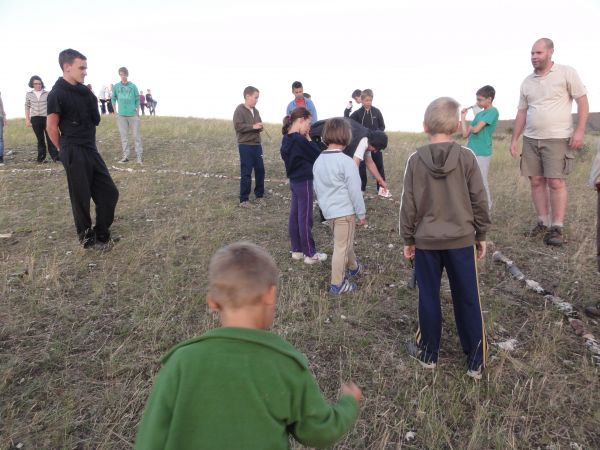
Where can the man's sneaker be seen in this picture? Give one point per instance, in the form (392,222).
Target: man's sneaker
(346,286)
(123,160)
(246,205)
(317,257)
(297,256)
(554,236)
(88,239)
(350,273)
(476,374)
(539,230)
(260,201)
(413,350)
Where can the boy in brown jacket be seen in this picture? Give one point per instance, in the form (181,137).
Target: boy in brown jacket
(443,221)
(248,126)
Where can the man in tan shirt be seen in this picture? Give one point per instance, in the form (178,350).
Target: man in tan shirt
(549,141)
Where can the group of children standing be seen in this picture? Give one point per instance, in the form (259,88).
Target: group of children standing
(257,389)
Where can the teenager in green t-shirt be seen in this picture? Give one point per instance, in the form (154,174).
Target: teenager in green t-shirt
(480,132)
(241,386)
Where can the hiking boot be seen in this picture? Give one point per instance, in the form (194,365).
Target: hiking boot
(539,230)
(317,257)
(350,273)
(297,256)
(554,236)
(123,160)
(476,374)
(346,286)
(413,350)
(246,204)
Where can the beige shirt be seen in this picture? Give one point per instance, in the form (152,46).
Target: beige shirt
(549,100)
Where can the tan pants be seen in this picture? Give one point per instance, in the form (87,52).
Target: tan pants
(343,248)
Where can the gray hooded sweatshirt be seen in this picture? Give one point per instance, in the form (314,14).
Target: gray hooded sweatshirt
(444,203)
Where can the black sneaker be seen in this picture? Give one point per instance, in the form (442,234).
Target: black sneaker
(88,238)
(554,237)
(539,230)
(104,246)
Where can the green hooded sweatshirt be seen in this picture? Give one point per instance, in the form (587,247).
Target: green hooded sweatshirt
(239,388)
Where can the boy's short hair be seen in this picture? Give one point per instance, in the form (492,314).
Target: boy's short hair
(487,92)
(240,273)
(356,93)
(297,85)
(337,131)
(249,90)
(441,116)
(366,93)
(124,70)
(68,56)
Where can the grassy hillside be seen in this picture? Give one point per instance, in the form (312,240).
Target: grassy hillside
(81,332)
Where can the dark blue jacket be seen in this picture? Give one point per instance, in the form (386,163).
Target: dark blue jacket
(299,154)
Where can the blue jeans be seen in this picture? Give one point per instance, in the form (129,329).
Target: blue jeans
(251,158)
(1,138)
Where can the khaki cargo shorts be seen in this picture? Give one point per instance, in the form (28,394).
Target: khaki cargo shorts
(549,158)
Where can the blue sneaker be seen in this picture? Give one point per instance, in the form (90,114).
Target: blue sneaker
(346,286)
(413,350)
(352,273)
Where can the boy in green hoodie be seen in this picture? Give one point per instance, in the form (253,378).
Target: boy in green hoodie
(444,217)
(241,386)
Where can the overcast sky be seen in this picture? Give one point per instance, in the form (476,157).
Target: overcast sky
(198,56)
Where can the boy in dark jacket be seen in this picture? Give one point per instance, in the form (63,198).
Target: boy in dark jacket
(370,117)
(241,386)
(443,220)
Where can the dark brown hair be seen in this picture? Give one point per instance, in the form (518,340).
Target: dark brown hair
(297,113)
(249,90)
(68,56)
(35,78)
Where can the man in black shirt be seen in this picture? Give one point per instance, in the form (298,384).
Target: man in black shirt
(72,109)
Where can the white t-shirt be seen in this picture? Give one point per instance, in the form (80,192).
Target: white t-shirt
(361,149)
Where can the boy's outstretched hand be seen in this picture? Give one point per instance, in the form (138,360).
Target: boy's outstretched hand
(353,390)
(481,248)
(409,251)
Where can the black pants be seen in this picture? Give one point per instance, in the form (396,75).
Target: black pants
(38,123)
(88,177)
(103,106)
(362,170)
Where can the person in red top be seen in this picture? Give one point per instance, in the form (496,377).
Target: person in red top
(142,102)
(300,101)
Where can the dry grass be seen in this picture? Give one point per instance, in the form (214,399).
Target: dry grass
(81,332)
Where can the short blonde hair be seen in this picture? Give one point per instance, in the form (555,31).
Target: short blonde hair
(441,116)
(240,273)
(337,131)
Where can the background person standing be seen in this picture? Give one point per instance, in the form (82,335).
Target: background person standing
(248,126)
(3,123)
(36,104)
(126,101)
(549,141)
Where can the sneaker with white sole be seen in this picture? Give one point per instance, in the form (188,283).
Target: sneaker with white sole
(346,286)
(475,374)
(297,256)
(246,204)
(350,273)
(413,350)
(317,257)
